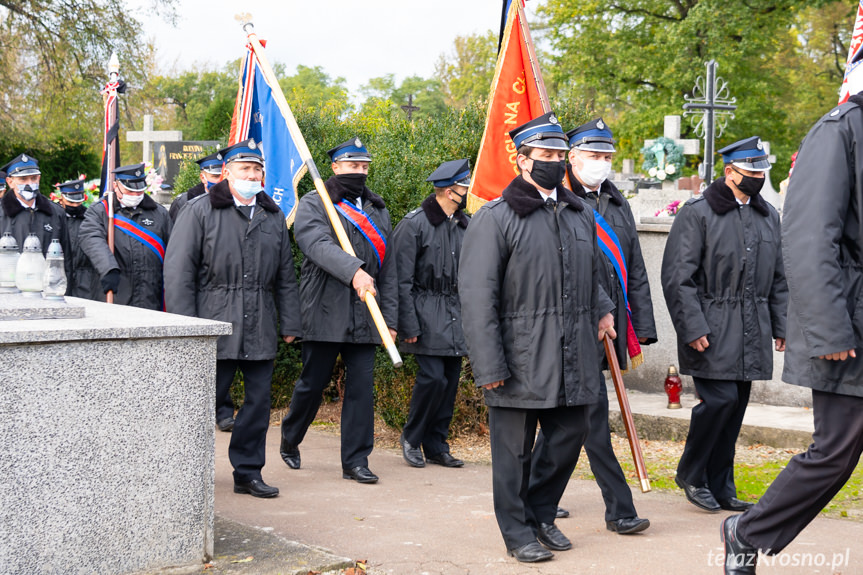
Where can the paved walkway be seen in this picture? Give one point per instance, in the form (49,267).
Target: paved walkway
(440,521)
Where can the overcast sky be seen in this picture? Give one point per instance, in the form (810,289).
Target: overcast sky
(351,39)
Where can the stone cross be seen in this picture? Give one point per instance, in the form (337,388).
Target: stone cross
(672,132)
(148,135)
(410,108)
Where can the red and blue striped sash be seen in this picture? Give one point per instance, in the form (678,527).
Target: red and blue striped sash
(366,226)
(610,246)
(139,233)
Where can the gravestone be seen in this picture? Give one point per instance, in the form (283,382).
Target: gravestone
(169,156)
(107,442)
(651,200)
(148,135)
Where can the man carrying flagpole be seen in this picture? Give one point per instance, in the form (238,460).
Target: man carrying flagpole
(624,279)
(531,305)
(333,285)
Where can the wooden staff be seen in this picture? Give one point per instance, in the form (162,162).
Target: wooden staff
(626,414)
(111,112)
(306,155)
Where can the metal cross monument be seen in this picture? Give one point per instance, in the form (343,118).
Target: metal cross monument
(410,108)
(711,100)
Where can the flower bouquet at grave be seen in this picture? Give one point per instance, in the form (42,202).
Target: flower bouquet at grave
(663,160)
(154,179)
(668,211)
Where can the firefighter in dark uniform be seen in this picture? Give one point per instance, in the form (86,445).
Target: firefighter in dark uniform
(24,210)
(821,245)
(211,174)
(590,156)
(427,244)
(2,183)
(230,259)
(723,281)
(72,200)
(336,321)
(531,304)
(142,229)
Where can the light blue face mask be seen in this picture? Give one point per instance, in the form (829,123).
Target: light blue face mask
(247,189)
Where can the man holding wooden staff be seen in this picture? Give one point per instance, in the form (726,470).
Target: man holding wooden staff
(333,285)
(724,283)
(624,279)
(531,304)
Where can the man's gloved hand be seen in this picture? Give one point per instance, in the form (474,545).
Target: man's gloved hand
(111,281)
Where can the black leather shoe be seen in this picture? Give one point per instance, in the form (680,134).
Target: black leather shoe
(256,488)
(550,536)
(628,525)
(360,474)
(561,513)
(413,455)
(701,497)
(290,454)
(734,504)
(533,552)
(226,424)
(740,557)
(445,459)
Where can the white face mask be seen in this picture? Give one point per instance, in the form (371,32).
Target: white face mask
(247,189)
(130,200)
(28,191)
(594,172)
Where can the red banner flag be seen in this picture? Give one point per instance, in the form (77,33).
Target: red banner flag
(853,81)
(517,96)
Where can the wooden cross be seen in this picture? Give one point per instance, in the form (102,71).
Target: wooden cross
(148,135)
(410,108)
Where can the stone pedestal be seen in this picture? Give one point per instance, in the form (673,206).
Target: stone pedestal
(107,439)
(651,200)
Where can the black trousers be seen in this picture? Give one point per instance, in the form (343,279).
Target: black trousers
(247,450)
(708,456)
(525,493)
(224,404)
(432,402)
(358,415)
(811,479)
(603,462)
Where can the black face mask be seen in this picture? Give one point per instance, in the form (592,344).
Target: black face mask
(462,202)
(76,211)
(749,185)
(548,174)
(353,183)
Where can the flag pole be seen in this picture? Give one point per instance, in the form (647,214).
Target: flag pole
(531,54)
(110,93)
(306,155)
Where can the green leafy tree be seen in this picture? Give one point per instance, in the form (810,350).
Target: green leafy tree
(426,94)
(313,88)
(467,73)
(634,60)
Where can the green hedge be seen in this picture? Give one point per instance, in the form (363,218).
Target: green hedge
(59,160)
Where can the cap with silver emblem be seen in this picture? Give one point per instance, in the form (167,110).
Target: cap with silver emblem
(245,151)
(748,154)
(132,177)
(351,151)
(211,164)
(72,190)
(542,132)
(594,136)
(21,166)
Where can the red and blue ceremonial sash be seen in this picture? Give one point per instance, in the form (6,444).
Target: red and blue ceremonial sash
(139,233)
(610,246)
(366,226)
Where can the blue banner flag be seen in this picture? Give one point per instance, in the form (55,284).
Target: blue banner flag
(258,116)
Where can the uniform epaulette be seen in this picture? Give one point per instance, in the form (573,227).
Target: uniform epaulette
(839,111)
